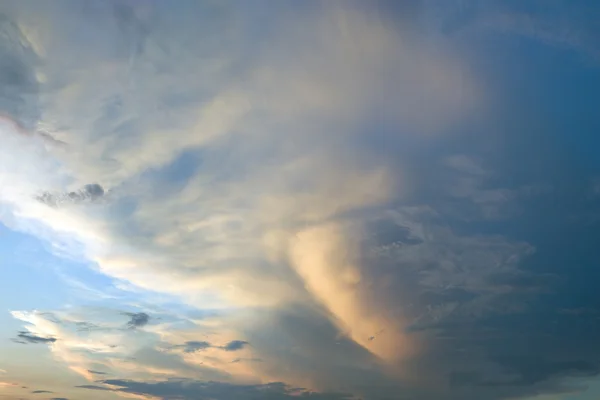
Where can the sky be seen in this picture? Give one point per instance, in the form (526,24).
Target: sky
(277,199)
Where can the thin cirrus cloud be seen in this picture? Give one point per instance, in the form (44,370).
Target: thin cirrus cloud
(309,185)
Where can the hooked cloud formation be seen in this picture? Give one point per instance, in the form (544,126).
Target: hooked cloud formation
(362,196)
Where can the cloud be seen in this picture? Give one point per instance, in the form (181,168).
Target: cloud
(193,346)
(89,193)
(137,320)
(237,360)
(305,191)
(91,371)
(221,252)
(26,337)
(92,387)
(235,345)
(81,350)
(562,24)
(182,388)
(41,391)
(260,93)
(17,73)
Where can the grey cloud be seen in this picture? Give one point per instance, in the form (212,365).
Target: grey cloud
(151,357)
(238,360)
(486,333)
(92,191)
(194,346)
(85,326)
(292,339)
(134,30)
(458,186)
(561,23)
(197,390)
(235,345)
(93,387)
(18,84)
(50,316)
(519,331)
(91,371)
(555,25)
(26,337)
(523,281)
(532,370)
(89,193)
(137,320)
(41,391)
(447,268)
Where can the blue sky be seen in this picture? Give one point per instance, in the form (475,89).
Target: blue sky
(335,199)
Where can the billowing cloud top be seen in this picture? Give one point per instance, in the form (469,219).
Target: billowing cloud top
(335,199)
